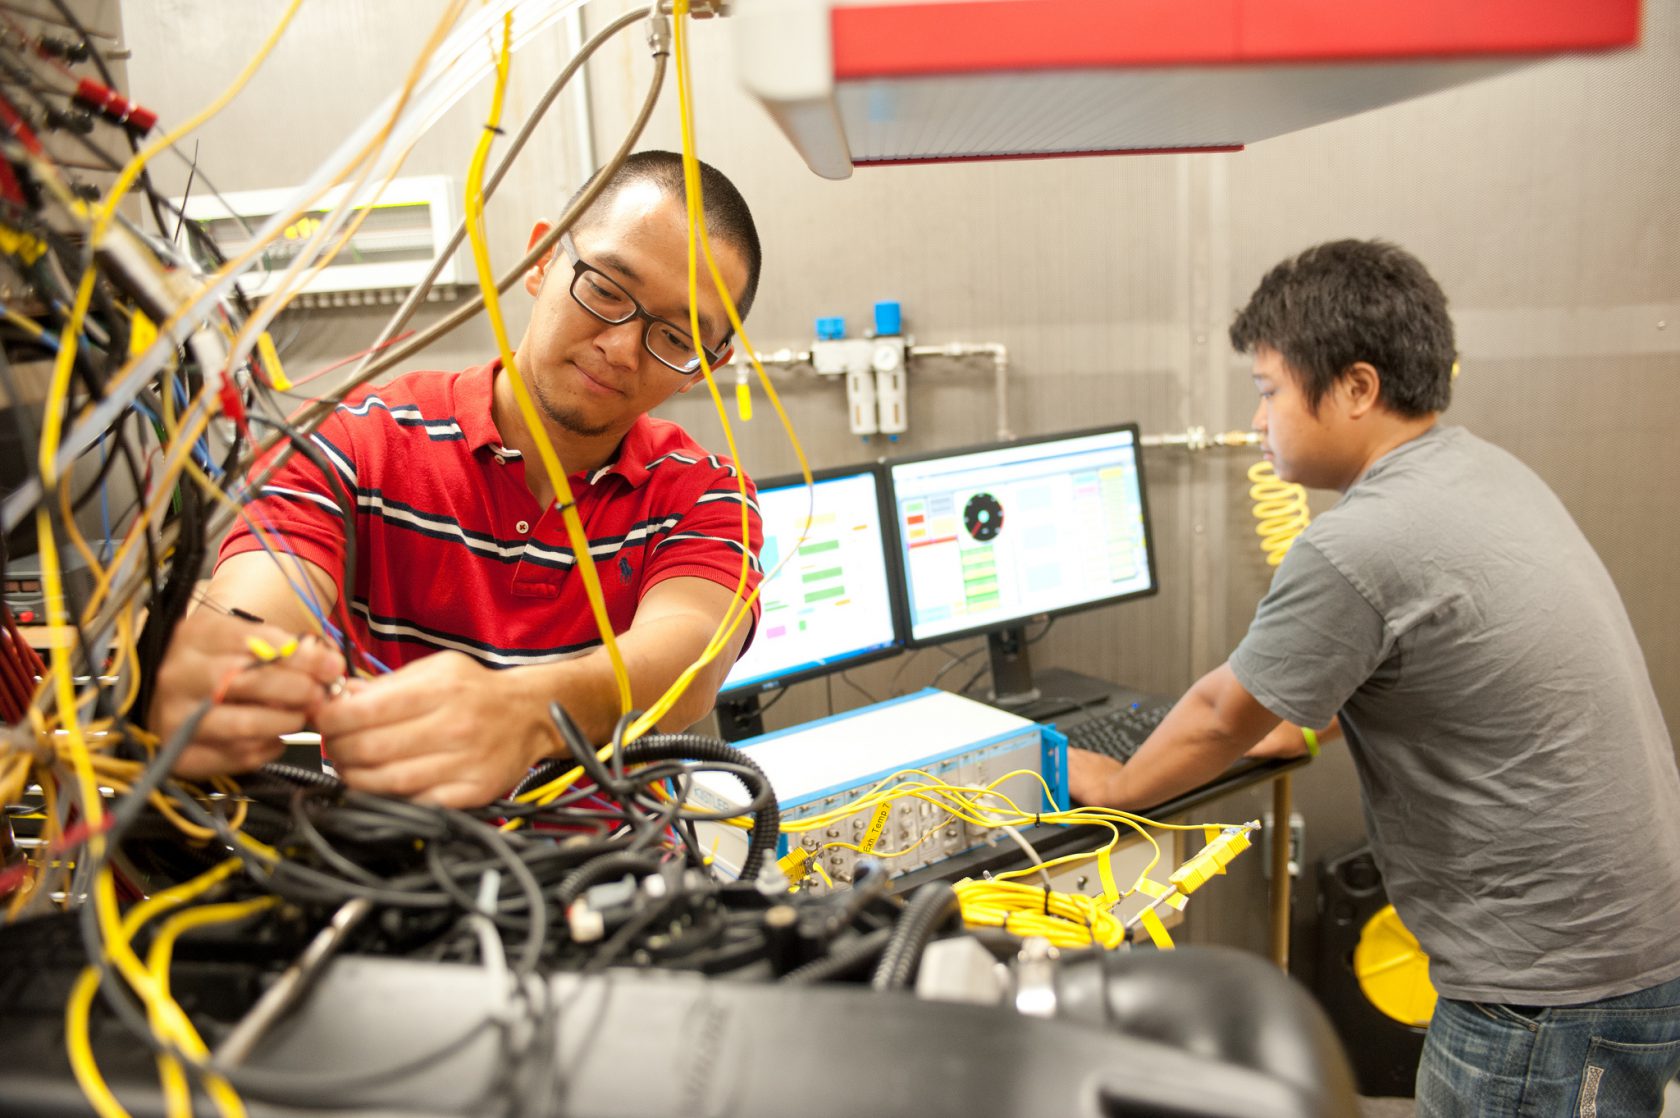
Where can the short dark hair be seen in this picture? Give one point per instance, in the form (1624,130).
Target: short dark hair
(727,215)
(1348,301)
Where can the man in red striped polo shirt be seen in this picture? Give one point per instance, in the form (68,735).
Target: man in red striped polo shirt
(464,582)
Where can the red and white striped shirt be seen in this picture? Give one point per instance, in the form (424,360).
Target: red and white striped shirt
(453,552)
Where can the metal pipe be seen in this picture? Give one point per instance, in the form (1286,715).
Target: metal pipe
(1198,438)
(999,353)
(1280,871)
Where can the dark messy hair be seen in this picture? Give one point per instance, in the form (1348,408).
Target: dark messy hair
(1350,301)
(727,216)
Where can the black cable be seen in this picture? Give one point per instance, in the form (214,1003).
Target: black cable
(128,809)
(656,818)
(170,605)
(604,868)
(767,817)
(498,844)
(850,682)
(945,668)
(781,693)
(847,962)
(293,774)
(304,826)
(579,746)
(635,926)
(932,907)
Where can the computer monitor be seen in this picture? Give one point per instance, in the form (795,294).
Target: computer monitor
(832,606)
(991,537)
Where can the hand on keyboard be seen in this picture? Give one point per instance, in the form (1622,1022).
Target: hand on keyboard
(1091,777)
(1118,732)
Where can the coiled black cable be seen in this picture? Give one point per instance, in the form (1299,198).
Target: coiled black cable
(934,905)
(767,817)
(295,774)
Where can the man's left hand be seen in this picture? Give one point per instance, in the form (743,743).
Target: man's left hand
(444,730)
(1092,778)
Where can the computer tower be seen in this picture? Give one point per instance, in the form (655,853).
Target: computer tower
(1384,1052)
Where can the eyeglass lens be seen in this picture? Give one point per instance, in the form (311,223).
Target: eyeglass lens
(603,297)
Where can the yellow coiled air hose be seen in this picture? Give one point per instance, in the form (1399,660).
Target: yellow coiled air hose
(1281,508)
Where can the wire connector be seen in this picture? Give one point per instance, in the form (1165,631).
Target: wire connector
(659,32)
(114,107)
(1212,859)
(795,864)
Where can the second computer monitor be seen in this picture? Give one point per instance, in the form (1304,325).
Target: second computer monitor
(831,606)
(989,537)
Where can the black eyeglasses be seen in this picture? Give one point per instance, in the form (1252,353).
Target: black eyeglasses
(603,297)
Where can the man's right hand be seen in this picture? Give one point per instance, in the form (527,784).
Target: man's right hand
(210,656)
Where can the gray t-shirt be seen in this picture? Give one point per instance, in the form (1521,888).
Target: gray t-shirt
(1521,793)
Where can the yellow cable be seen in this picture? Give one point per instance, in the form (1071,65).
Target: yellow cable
(740,607)
(57,399)
(82,1064)
(1065,919)
(575,533)
(76,1039)
(157,961)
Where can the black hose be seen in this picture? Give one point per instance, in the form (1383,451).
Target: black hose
(767,817)
(930,909)
(597,870)
(844,963)
(295,774)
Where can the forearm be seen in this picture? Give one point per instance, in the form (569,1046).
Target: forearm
(587,689)
(1208,729)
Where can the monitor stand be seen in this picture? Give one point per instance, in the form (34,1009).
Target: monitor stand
(1053,692)
(739,718)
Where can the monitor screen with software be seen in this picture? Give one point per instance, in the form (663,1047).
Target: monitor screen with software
(831,607)
(990,537)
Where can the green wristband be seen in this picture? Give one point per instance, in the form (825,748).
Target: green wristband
(1311,738)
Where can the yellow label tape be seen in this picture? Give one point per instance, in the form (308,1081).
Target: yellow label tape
(271,363)
(1156,891)
(877,824)
(141,334)
(1157,930)
(1105,873)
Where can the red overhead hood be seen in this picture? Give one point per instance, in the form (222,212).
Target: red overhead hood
(856,83)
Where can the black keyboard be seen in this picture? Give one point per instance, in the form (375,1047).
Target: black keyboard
(1117,731)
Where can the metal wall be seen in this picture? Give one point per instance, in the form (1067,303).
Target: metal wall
(1542,200)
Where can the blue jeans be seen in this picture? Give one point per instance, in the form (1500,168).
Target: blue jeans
(1603,1059)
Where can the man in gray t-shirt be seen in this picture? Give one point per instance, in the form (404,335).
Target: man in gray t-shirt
(1521,793)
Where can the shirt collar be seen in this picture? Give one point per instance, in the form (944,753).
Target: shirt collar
(473,411)
(635,451)
(473,406)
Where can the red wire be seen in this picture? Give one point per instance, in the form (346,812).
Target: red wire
(14,123)
(319,373)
